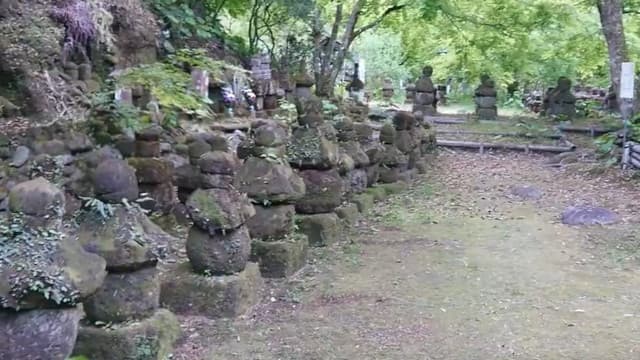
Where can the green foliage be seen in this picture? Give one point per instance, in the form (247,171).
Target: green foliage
(383,54)
(184,22)
(171,88)
(110,116)
(198,58)
(79,357)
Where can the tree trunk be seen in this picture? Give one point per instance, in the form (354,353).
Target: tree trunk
(613,29)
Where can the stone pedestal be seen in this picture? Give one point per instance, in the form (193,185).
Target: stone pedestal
(150,338)
(321,229)
(188,293)
(280,258)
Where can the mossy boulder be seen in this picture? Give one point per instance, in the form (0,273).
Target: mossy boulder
(41,268)
(218,254)
(270,135)
(364,202)
(404,120)
(121,238)
(197,149)
(355,151)
(324,191)
(320,229)
(115,180)
(216,210)
(348,213)
(309,148)
(189,293)
(373,174)
(125,296)
(149,339)
(271,223)
(268,181)
(219,163)
(151,171)
(393,157)
(278,259)
(387,134)
(39,201)
(211,181)
(345,164)
(406,141)
(39,334)
(188,177)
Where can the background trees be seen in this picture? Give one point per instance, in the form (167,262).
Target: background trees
(529,41)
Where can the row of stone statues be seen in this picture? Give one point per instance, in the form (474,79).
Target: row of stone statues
(558,102)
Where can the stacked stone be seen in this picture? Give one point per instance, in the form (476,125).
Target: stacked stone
(314,151)
(425,94)
(270,182)
(486,99)
(218,281)
(187,176)
(131,291)
(372,147)
(354,160)
(410,91)
(155,174)
(409,136)
(44,275)
(387,89)
(394,162)
(561,102)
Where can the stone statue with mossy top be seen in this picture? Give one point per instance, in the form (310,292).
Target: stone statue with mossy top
(218,281)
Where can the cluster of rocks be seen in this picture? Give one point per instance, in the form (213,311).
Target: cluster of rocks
(218,281)
(274,188)
(313,150)
(425,94)
(560,101)
(486,99)
(129,298)
(45,275)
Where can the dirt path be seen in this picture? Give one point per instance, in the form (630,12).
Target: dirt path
(455,269)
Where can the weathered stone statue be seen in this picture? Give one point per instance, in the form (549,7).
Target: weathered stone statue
(561,102)
(486,98)
(425,93)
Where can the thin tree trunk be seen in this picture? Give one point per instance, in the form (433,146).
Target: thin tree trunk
(613,29)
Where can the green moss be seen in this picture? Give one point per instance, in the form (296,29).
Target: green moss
(377,192)
(208,208)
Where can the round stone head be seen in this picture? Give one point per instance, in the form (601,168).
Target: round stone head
(427,70)
(484,79)
(564,83)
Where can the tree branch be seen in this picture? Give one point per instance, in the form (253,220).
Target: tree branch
(376,22)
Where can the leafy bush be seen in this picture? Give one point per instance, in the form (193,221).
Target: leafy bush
(184,22)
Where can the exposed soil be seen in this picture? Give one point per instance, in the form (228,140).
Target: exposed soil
(456,268)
